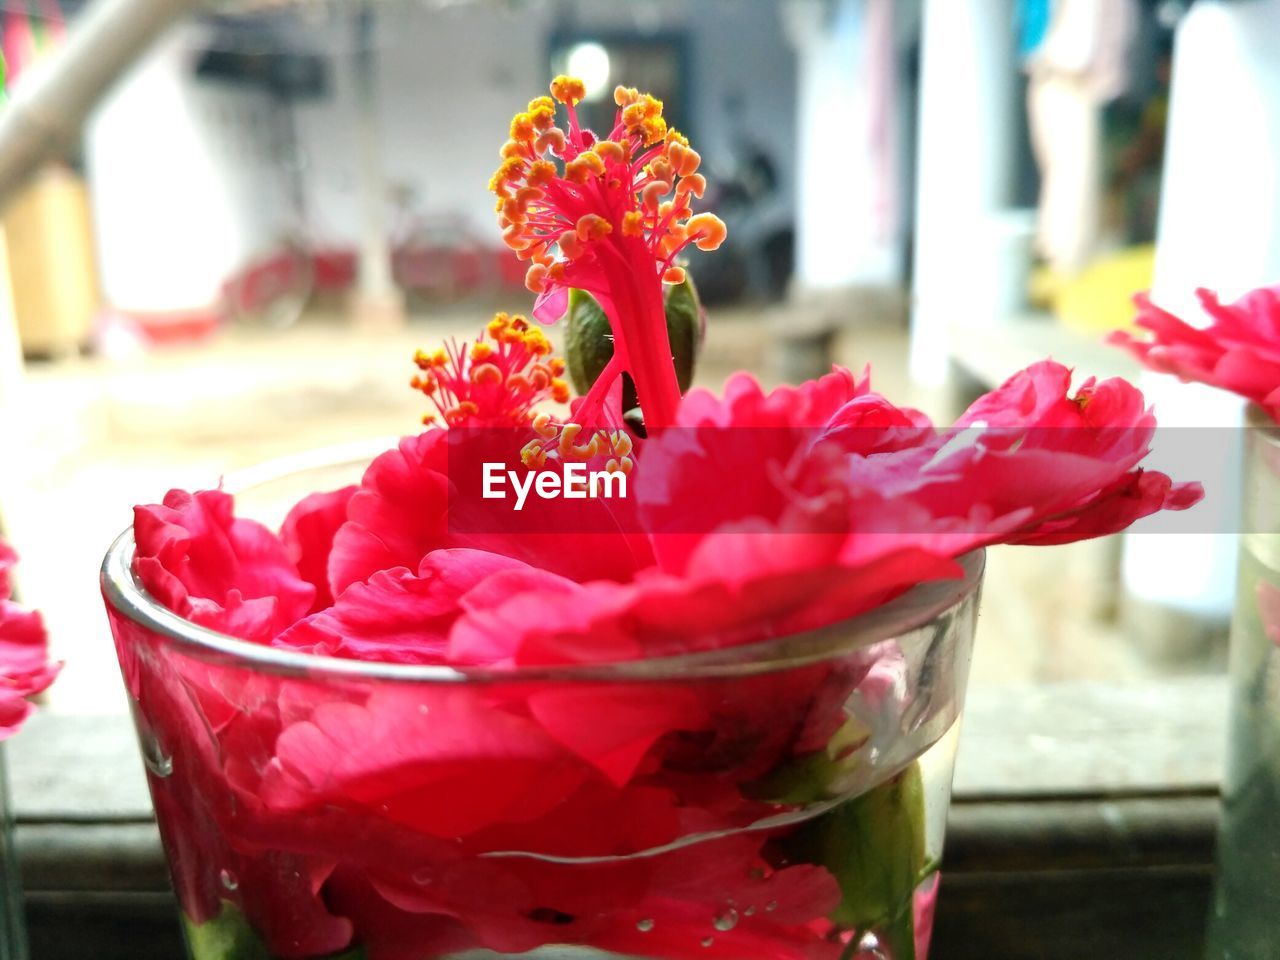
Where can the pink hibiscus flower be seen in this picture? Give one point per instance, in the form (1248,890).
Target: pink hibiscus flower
(25,668)
(519,809)
(1238,351)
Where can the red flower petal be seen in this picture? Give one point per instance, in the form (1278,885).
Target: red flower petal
(307,535)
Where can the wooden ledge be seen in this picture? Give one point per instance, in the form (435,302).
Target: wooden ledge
(1082,825)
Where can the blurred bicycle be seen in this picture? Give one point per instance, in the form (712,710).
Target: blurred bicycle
(435,257)
(274,287)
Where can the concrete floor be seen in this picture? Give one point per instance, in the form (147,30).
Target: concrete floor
(93,437)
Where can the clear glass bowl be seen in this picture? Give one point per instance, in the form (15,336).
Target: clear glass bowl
(785,799)
(1246,906)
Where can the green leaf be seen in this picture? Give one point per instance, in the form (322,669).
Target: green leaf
(228,936)
(589,339)
(874,844)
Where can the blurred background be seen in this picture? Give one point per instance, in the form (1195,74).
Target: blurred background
(227,226)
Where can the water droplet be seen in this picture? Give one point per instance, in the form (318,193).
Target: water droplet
(153,755)
(423,876)
(726,920)
(749,912)
(157,762)
(228,879)
(707,941)
(771,906)
(869,946)
(645,925)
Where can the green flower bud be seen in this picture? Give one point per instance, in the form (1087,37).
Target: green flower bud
(589,340)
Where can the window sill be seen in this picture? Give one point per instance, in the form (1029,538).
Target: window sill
(1082,825)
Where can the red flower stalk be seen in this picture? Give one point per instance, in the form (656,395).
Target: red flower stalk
(608,216)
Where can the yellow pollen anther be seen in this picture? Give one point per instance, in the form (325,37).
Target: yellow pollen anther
(480,352)
(541,173)
(708,229)
(568,433)
(536,342)
(653,193)
(621,443)
(559,391)
(543,426)
(673,275)
(661,169)
(568,89)
(532,454)
(610,150)
(571,245)
(522,128)
(583,167)
(511,149)
(535,279)
(513,210)
(542,111)
(592,226)
(633,223)
(552,139)
(694,183)
(622,466)
(623,96)
(486,373)
(457,415)
(513,236)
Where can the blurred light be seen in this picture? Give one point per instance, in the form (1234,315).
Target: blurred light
(590,63)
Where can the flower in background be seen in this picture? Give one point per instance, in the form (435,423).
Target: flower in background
(1238,351)
(25,668)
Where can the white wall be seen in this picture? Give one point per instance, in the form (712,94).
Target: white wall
(186,190)
(183,186)
(450,80)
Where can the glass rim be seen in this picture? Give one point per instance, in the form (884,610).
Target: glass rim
(911,611)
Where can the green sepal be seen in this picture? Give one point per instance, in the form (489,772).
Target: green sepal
(589,339)
(228,936)
(875,846)
(815,777)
